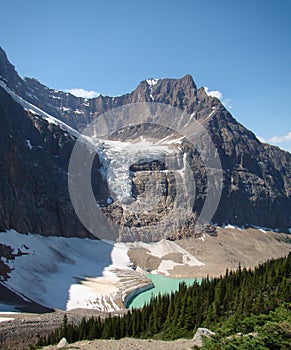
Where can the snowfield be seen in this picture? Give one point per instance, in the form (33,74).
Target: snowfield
(69,273)
(52,267)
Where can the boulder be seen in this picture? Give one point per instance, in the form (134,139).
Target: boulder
(201,332)
(62,343)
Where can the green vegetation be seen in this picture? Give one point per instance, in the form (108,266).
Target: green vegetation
(243,301)
(262,332)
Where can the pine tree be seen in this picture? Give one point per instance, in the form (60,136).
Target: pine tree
(65,326)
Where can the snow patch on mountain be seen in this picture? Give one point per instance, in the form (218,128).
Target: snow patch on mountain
(152,81)
(28,143)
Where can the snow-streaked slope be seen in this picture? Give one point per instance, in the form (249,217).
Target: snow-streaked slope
(35,110)
(52,266)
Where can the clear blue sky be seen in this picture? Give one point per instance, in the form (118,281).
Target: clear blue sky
(240,47)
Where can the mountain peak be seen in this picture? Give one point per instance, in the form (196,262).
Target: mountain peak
(189,81)
(186,80)
(4,61)
(2,54)
(7,71)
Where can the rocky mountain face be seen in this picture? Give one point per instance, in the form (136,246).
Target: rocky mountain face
(34,157)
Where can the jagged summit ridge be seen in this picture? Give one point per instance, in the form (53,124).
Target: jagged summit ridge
(78,112)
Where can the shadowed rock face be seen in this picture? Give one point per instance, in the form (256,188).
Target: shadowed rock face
(34,158)
(34,194)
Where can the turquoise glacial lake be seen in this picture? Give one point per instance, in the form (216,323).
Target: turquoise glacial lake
(163,285)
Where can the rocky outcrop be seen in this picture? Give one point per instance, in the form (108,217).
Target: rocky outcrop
(62,343)
(200,333)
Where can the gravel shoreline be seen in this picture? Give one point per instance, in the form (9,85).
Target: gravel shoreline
(129,344)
